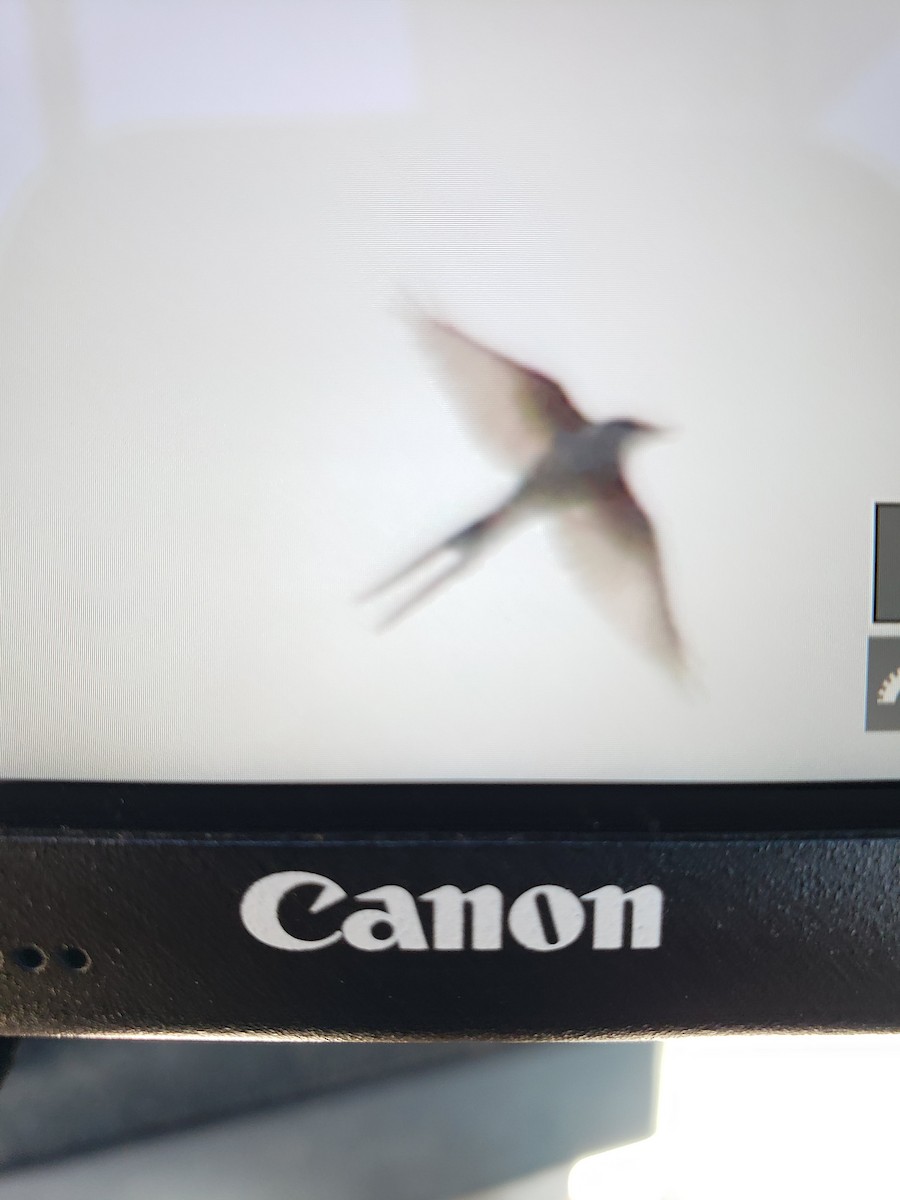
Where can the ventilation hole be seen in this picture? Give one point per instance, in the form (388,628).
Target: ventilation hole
(73,958)
(30,958)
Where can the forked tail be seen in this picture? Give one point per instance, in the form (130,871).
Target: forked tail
(464,546)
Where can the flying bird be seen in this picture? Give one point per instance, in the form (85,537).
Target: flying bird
(567,465)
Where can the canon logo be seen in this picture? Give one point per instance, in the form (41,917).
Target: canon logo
(543,918)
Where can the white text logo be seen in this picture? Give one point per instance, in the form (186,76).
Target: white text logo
(543,918)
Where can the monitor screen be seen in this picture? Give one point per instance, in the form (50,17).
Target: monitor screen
(430,390)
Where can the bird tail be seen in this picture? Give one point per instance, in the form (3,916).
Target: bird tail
(460,549)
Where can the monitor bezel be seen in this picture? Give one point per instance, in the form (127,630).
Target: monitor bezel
(431,808)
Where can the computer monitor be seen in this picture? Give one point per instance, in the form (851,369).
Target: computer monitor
(448,447)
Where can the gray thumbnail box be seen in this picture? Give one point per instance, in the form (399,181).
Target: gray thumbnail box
(887,562)
(883,685)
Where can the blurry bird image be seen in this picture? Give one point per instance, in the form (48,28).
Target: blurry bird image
(569,467)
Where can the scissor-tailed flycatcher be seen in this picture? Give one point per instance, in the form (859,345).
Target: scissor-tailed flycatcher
(571,466)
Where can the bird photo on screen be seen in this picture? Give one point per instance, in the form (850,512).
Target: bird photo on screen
(569,467)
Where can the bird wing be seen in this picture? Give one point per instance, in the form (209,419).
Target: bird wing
(513,410)
(609,544)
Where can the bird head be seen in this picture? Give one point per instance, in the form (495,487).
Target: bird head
(624,429)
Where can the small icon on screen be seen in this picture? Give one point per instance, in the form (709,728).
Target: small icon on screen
(890,689)
(887,562)
(883,687)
